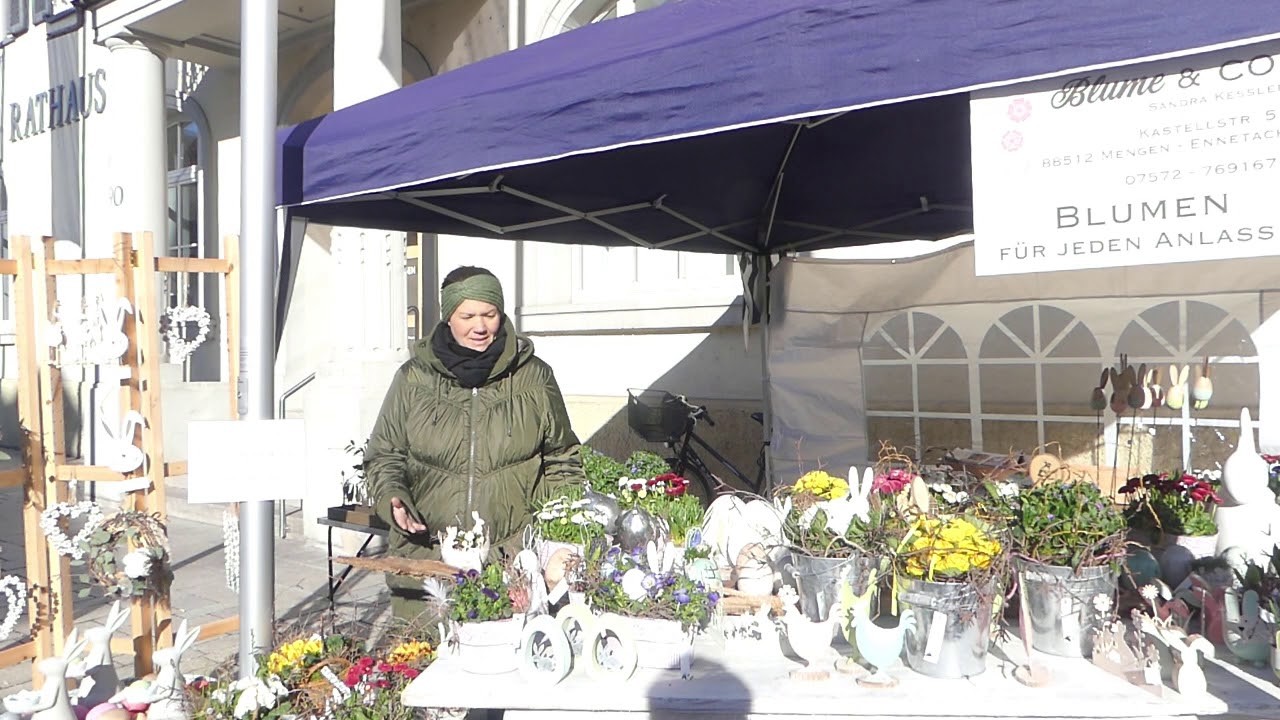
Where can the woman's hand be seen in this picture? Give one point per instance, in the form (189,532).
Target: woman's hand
(403,519)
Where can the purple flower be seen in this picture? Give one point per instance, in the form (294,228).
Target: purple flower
(460,578)
(681,596)
(713,597)
(616,576)
(669,580)
(613,552)
(473,574)
(473,614)
(694,538)
(490,593)
(650,582)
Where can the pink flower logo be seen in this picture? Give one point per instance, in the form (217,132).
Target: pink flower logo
(1019,109)
(1012,141)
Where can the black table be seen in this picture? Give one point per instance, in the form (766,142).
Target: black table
(336,581)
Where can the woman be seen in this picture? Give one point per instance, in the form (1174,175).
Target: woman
(472,422)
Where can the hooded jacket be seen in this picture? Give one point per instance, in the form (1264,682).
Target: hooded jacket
(446,450)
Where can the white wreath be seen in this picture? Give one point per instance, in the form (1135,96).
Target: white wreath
(179,347)
(70,547)
(15,592)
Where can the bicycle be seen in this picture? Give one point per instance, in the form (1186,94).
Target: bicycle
(672,420)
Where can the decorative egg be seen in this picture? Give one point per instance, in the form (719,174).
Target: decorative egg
(557,566)
(636,529)
(95,712)
(607,507)
(115,714)
(1142,568)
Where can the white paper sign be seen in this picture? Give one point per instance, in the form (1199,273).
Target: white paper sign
(1170,161)
(245,460)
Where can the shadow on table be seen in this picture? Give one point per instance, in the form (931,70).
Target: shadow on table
(713,693)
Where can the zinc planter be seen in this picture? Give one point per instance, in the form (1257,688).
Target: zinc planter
(1060,604)
(819,579)
(951,631)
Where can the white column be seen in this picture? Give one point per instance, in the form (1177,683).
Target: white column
(137,160)
(370,300)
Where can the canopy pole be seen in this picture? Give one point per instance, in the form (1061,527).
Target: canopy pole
(767,398)
(256,385)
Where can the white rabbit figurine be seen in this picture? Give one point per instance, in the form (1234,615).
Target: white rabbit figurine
(97,673)
(53,701)
(855,504)
(168,692)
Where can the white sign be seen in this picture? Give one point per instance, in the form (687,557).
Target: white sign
(1169,161)
(245,460)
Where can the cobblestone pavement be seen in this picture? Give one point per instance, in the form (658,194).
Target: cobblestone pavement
(200,593)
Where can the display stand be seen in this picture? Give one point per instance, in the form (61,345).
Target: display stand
(47,476)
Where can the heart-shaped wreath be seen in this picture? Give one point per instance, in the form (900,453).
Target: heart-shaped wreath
(175,331)
(51,525)
(14,590)
(143,570)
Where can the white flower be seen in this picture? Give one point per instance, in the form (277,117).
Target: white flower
(940,487)
(1008,489)
(257,695)
(1149,592)
(14,589)
(578,519)
(950,496)
(137,564)
(1102,602)
(962,496)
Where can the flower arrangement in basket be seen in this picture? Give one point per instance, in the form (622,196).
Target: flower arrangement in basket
(331,677)
(128,556)
(641,585)
(1178,504)
(1068,524)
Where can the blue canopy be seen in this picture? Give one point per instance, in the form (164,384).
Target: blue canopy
(722,125)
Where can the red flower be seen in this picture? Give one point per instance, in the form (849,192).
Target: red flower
(410,673)
(637,487)
(676,490)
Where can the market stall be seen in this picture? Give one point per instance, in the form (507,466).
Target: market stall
(773,128)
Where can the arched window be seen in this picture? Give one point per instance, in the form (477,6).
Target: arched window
(1036,366)
(916,383)
(1186,333)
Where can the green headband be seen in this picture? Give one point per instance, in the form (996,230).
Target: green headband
(483,287)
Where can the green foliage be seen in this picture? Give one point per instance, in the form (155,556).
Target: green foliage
(644,465)
(601,470)
(480,596)
(568,520)
(1069,524)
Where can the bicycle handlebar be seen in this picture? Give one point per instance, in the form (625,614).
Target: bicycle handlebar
(696,412)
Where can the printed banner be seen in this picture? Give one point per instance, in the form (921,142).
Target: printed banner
(1169,161)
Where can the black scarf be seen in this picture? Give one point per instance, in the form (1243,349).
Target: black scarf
(471,367)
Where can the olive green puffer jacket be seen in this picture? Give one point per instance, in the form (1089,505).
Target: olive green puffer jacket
(446,450)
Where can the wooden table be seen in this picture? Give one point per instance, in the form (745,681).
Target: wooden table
(756,685)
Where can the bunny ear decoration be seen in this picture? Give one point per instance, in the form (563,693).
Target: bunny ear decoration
(868,480)
(115,618)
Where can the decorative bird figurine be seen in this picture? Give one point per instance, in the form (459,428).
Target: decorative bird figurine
(1202,389)
(1176,396)
(809,639)
(879,646)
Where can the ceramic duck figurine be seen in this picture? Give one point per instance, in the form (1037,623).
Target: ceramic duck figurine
(809,639)
(879,646)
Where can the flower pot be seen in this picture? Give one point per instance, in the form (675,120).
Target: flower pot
(818,580)
(1060,605)
(489,648)
(659,643)
(1178,552)
(951,631)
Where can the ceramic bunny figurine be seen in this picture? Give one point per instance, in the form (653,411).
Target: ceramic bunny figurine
(53,702)
(1154,393)
(1098,401)
(1176,396)
(168,694)
(1137,391)
(1202,389)
(1120,386)
(98,679)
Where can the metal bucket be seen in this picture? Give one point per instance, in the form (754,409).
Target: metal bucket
(818,581)
(1060,605)
(957,646)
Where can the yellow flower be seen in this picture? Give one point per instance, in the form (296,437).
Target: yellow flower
(951,548)
(294,654)
(822,484)
(411,652)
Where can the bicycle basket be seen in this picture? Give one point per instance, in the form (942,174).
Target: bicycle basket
(655,415)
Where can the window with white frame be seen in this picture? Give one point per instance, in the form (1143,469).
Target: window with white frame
(1188,334)
(184,236)
(916,380)
(1037,366)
